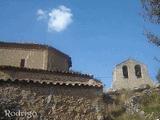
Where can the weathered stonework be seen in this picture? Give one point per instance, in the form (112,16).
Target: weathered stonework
(53,95)
(119,81)
(37,78)
(34,55)
(54,102)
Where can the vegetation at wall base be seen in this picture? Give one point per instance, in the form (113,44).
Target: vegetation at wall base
(135,105)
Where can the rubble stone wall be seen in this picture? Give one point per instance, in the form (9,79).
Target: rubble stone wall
(52,102)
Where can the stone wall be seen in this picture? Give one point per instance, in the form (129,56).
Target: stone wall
(33,58)
(54,102)
(57,61)
(46,59)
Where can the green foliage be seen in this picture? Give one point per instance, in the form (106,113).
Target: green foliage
(152,99)
(155,39)
(149,103)
(151,10)
(126,116)
(152,108)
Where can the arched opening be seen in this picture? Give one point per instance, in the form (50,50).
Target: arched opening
(138,71)
(125,71)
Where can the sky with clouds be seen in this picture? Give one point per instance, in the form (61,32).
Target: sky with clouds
(96,34)
(58,18)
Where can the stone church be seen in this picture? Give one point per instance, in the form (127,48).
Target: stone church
(37,78)
(130,74)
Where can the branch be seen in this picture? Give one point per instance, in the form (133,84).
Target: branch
(153,38)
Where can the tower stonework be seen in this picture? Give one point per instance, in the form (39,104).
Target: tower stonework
(130,74)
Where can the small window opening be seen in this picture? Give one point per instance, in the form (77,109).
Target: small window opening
(125,71)
(22,64)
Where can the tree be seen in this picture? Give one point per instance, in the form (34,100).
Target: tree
(151,12)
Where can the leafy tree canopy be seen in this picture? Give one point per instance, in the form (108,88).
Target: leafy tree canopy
(151,10)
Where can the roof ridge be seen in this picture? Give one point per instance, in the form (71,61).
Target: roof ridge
(4,67)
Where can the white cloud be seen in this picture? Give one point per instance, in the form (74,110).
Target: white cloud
(41,14)
(58,19)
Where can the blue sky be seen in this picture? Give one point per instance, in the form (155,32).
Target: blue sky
(98,34)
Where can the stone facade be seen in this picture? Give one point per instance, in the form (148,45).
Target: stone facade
(130,74)
(36,78)
(33,56)
(53,102)
(58,61)
(52,95)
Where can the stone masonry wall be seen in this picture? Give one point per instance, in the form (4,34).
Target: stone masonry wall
(132,81)
(33,58)
(54,102)
(57,61)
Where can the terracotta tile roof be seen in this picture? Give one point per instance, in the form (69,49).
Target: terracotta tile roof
(3,67)
(48,77)
(67,83)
